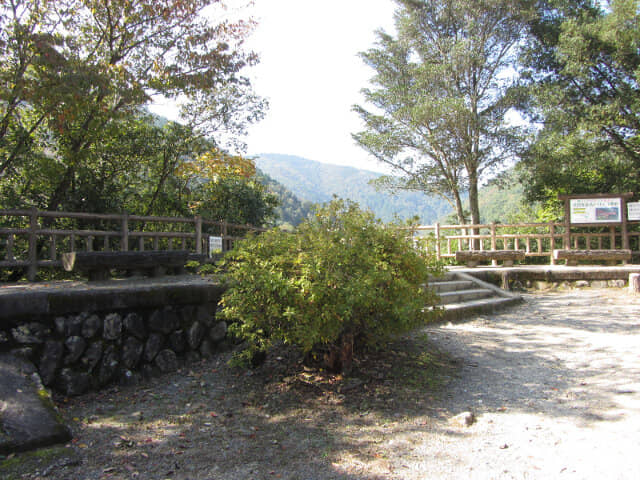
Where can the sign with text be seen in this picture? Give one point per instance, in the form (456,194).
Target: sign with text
(633,211)
(215,245)
(595,210)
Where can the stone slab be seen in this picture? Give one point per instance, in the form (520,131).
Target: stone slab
(551,273)
(24,301)
(28,417)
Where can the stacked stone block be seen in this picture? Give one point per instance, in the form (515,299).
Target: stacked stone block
(88,350)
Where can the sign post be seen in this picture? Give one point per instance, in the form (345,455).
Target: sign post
(598,210)
(633,211)
(215,245)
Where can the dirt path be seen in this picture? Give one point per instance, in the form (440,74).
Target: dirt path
(554,385)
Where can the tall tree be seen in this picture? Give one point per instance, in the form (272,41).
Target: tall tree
(98,62)
(441,95)
(583,69)
(31,75)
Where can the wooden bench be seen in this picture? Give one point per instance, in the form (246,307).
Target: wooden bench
(472,257)
(610,256)
(98,265)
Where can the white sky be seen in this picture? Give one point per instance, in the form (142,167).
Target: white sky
(311,74)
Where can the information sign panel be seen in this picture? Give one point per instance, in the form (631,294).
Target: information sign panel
(595,210)
(215,245)
(633,211)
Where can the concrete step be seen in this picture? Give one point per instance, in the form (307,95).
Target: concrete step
(445,277)
(451,285)
(461,296)
(458,311)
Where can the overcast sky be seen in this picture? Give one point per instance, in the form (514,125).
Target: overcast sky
(311,74)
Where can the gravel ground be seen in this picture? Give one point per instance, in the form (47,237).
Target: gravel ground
(554,385)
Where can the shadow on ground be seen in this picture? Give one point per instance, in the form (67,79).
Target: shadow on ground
(569,357)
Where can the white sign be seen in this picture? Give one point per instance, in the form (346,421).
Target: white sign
(633,211)
(595,210)
(215,245)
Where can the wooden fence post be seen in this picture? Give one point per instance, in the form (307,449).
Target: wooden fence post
(225,247)
(552,242)
(198,234)
(32,269)
(494,262)
(124,241)
(437,231)
(52,248)
(9,256)
(567,225)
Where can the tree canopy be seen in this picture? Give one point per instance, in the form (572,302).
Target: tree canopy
(75,79)
(582,66)
(441,93)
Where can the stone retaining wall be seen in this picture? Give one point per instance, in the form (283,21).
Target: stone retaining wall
(89,349)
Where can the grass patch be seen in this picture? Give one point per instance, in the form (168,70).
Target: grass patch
(14,466)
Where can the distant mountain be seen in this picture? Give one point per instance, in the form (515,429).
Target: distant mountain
(317,182)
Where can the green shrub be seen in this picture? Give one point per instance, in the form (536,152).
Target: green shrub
(342,278)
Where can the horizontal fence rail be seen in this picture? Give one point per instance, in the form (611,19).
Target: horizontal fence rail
(34,239)
(536,239)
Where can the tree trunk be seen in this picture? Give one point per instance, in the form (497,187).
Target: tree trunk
(340,356)
(473,205)
(62,190)
(459,209)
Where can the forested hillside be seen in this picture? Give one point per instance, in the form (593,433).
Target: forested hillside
(318,182)
(290,210)
(502,200)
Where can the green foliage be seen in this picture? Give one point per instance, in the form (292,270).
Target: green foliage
(341,274)
(75,77)
(236,200)
(582,68)
(442,88)
(501,200)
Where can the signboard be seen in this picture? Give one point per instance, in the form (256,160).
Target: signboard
(595,210)
(215,245)
(633,211)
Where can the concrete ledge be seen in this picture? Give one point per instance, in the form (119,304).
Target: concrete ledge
(21,302)
(548,273)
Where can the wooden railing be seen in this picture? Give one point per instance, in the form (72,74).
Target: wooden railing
(536,239)
(34,239)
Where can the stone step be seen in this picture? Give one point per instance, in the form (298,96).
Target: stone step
(461,296)
(451,285)
(458,311)
(445,277)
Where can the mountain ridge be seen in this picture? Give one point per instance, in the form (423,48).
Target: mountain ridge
(318,182)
